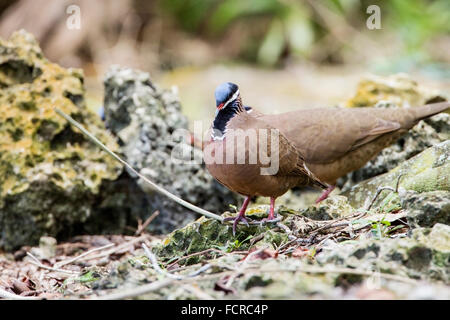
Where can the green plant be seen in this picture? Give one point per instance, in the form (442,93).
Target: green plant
(382,228)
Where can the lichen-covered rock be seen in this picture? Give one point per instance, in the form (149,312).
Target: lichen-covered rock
(328,209)
(427,171)
(50,175)
(399,89)
(427,208)
(144,118)
(418,256)
(204,234)
(392,92)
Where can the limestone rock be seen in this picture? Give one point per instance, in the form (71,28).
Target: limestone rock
(50,175)
(417,257)
(427,171)
(204,234)
(328,209)
(399,89)
(427,208)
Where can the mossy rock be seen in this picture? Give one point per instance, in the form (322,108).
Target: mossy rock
(50,175)
(331,208)
(427,208)
(399,89)
(205,233)
(427,171)
(424,255)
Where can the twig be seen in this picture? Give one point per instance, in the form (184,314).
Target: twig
(346,271)
(159,189)
(118,248)
(134,292)
(8,295)
(197,292)
(146,223)
(63,263)
(379,190)
(37,263)
(195,254)
(158,269)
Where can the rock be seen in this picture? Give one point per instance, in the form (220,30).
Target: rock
(328,209)
(439,237)
(427,208)
(48,247)
(205,233)
(419,256)
(391,92)
(50,175)
(427,171)
(399,89)
(145,118)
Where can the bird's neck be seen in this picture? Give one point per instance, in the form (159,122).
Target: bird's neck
(223,117)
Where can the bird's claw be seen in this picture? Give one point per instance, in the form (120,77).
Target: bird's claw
(269,220)
(236,221)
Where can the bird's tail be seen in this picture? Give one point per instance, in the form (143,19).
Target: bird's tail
(315,181)
(429,110)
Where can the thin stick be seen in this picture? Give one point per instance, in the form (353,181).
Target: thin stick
(161,190)
(385,188)
(379,190)
(158,269)
(37,263)
(196,254)
(146,223)
(118,248)
(8,295)
(345,271)
(197,292)
(134,292)
(63,263)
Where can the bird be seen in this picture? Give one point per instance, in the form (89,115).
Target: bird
(319,145)
(335,141)
(235,121)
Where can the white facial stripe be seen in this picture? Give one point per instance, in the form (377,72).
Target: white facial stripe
(235,95)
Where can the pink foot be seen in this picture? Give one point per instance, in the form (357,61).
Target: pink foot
(240,216)
(325,193)
(271,216)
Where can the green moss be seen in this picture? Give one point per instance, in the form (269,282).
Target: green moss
(204,234)
(427,171)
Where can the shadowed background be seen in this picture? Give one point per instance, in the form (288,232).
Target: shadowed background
(284,54)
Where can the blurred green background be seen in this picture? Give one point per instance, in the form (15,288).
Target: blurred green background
(284,54)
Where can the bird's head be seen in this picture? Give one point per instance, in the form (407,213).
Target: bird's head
(227,94)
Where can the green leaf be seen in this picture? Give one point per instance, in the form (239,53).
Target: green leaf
(230,10)
(273,44)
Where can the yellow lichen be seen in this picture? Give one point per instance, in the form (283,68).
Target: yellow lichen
(31,133)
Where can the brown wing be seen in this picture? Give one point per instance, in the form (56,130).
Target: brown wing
(324,135)
(291,161)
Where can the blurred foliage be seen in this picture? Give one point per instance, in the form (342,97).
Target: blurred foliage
(297,28)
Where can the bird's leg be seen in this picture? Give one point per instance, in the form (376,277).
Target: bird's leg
(271,216)
(272,209)
(325,194)
(240,216)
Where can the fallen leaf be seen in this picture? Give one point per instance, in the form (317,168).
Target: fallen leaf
(300,252)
